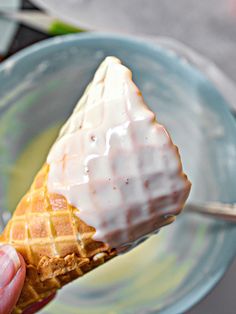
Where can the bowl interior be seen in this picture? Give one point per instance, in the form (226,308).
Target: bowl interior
(173,270)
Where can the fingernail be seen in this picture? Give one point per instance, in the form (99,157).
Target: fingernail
(9,264)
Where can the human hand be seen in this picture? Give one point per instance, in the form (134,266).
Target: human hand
(12,276)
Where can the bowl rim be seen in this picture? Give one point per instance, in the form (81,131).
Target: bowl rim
(201,289)
(194,59)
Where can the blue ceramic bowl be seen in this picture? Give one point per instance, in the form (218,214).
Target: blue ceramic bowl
(173,270)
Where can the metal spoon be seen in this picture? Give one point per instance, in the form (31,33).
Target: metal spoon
(218,210)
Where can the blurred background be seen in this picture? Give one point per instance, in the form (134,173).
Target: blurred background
(208,27)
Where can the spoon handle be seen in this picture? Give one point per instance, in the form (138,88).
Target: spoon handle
(218,210)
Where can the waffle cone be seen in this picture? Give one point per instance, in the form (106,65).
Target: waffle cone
(56,245)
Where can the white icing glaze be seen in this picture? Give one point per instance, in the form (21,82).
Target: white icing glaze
(113,161)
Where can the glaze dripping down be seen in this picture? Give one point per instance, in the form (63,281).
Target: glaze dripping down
(115,163)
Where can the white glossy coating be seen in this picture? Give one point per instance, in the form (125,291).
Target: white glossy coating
(114,163)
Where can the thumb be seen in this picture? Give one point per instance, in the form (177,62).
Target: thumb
(12,276)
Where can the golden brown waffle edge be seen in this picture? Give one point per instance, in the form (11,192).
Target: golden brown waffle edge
(57,246)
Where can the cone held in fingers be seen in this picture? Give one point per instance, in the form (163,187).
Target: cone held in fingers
(112,177)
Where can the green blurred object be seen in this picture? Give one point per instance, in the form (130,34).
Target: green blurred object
(41,21)
(61,28)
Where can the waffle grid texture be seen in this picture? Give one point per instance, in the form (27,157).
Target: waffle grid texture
(114,155)
(56,245)
(124,194)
